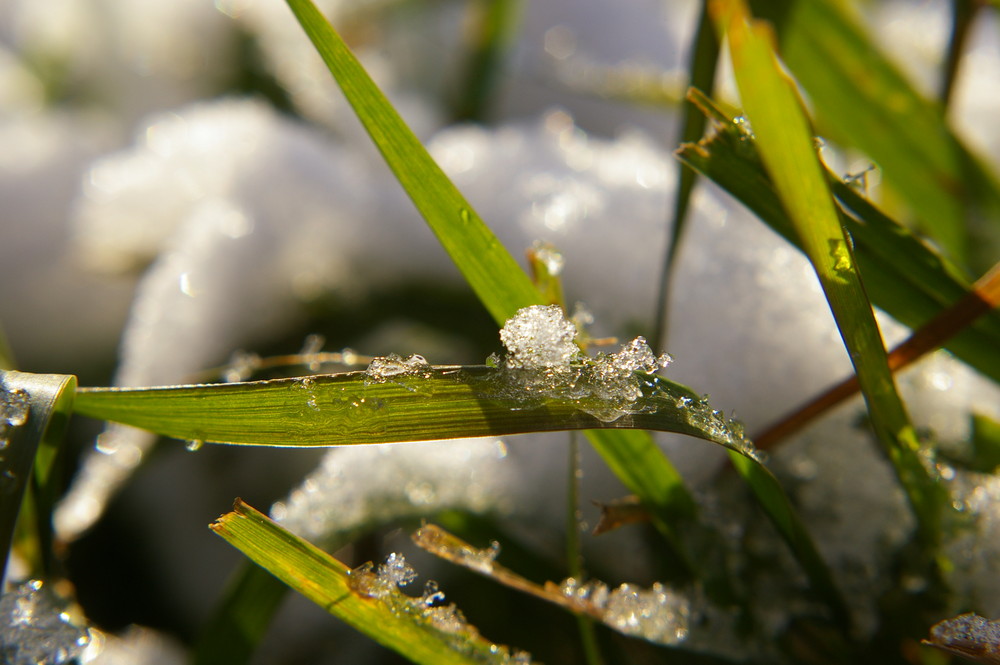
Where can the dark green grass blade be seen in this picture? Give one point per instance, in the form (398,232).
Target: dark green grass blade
(326,581)
(704,59)
(496,27)
(904,276)
(34,410)
(863,100)
(787,149)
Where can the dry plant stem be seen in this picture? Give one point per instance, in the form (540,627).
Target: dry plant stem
(449,547)
(984,296)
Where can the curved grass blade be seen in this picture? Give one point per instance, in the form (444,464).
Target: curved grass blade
(785,141)
(438,403)
(328,583)
(34,410)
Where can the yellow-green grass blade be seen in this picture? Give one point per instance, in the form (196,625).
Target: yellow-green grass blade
(787,149)
(327,582)
(904,276)
(862,99)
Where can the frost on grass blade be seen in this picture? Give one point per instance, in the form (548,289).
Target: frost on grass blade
(657,614)
(35,630)
(384,582)
(393,366)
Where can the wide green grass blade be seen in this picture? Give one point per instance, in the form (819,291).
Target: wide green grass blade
(349,408)
(327,582)
(34,410)
(786,145)
(903,276)
(862,99)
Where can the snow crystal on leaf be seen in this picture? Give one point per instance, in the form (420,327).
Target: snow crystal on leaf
(539,337)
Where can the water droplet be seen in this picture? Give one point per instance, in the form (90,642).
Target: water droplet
(465,215)
(194,445)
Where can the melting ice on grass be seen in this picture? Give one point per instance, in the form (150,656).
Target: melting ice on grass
(392,366)
(384,582)
(34,630)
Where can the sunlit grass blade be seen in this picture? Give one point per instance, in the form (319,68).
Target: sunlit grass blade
(351,408)
(34,410)
(785,141)
(490,270)
(863,100)
(903,276)
(328,583)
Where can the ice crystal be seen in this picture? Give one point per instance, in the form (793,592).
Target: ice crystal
(34,630)
(539,337)
(656,614)
(384,582)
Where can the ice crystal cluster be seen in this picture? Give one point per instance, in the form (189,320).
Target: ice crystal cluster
(34,629)
(384,583)
(543,359)
(656,614)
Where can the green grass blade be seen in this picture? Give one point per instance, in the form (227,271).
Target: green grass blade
(863,100)
(785,141)
(772,498)
(489,269)
(704,59)
(904,276)
(328,583)
(34,410)
(349,408)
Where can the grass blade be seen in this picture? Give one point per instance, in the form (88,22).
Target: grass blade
(904,276)
(849,81)
(349,408)
(328,583)
(34,410)
(785,141)
(491,272)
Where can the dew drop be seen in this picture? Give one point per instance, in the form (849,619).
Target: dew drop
(194,445)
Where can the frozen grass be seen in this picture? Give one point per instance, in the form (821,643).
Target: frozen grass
(832,550)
